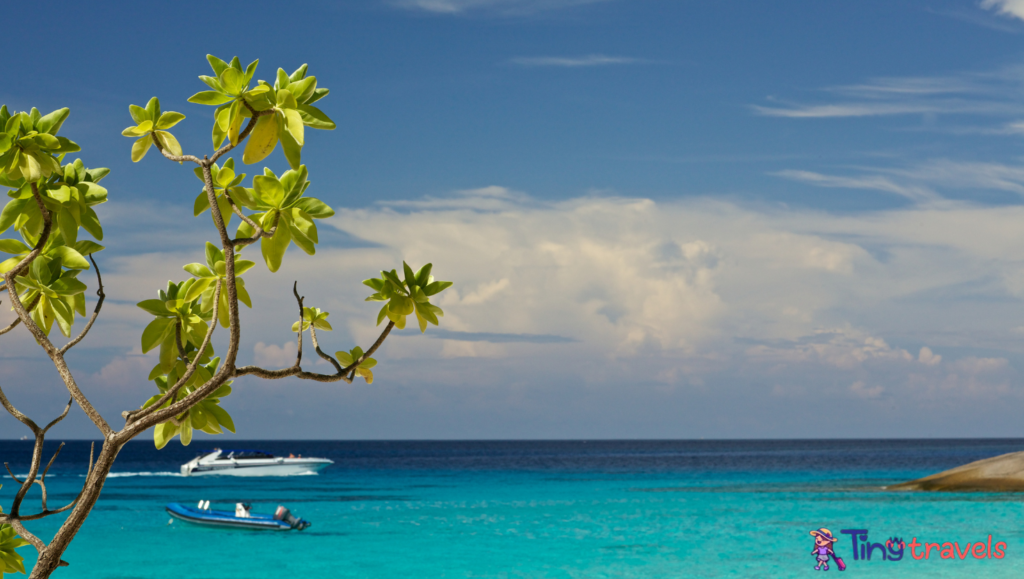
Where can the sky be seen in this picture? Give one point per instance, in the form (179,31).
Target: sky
(663,218)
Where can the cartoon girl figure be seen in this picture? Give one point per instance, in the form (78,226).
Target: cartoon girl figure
(823,541)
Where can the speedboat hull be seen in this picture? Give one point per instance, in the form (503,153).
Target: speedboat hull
(226,519)
(221,463)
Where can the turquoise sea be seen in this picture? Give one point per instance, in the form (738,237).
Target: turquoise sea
(628,509)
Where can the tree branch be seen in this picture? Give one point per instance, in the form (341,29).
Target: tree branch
(17,321)
(175,158)
(48,347)
(343,373)
(190,369)
(95,312)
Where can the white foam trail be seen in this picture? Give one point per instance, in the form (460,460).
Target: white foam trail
(127,474)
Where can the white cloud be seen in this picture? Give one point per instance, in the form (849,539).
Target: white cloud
(1010,8)
(573,61)
(861,391)
(274,356)
(927,357)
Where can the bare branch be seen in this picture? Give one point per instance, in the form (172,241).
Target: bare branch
(343,373)
(47,469)
(8,467)
(258,233)
(25,534)
(17,321)
(95,312)
(175,158)
(316,345)
(17,413)
(302,317)
(61,417)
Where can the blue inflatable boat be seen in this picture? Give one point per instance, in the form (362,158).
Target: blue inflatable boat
(281,520)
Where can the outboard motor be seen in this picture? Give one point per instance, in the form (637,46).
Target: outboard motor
(283,514)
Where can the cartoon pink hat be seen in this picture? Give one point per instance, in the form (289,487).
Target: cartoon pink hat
(824,534)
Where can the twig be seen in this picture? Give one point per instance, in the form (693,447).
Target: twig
(302,318)
(17,321)
(175,158)
(95,312)
(343,373)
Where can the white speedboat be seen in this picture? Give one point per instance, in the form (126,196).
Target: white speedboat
(251,463)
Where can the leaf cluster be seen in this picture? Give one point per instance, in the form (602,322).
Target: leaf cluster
(207,415)
(150,124)
(314,317)
(30,164)
(406,296)
(289,102)
(348,358)
(11,561)
(29,142)
(280,204)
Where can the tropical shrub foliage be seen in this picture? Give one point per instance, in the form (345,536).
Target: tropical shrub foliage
(50,220)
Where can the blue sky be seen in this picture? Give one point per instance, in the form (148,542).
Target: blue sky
(663,218)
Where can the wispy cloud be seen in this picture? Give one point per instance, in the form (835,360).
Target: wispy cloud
(502,7)
(871,182)
(992,93)
(573,61)
(1008,8)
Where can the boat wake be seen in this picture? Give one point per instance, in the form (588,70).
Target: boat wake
(129,474)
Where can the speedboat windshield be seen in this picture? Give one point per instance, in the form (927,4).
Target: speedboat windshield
(247,454)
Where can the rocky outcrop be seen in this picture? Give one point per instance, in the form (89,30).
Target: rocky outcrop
(1004,473)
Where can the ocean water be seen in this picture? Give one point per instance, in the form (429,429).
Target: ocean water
(491,509)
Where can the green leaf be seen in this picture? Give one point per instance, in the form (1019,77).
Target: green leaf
(316,208)
(139,114)
(273,248)
(269,190)
(155,332)
(91,223)
(292,150)
(213,255)
(140,148)
(393,278)
(86,247)
(315,118)
(13,246)
(423,275)
(52,122)
(216,64)
(169,143)
(242,266)
(155,307)
(70,258)
(262,139)
(436,287)
(222,416)
(410,277)
(169,119)
(198,270)
(153,108)
(210,97)
(163,433)
(243,294)
(202,203)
